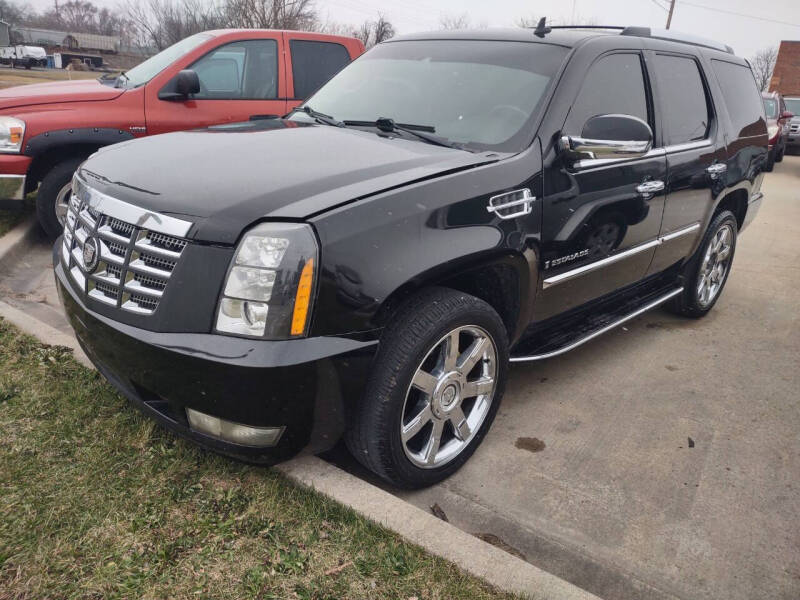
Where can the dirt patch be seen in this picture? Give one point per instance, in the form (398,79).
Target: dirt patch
(494,540)
(530,444)
(439,513)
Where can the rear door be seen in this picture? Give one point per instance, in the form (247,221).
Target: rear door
(599,228)
(239,80)
(310,62)
(695,147)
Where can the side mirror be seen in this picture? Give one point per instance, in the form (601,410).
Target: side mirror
(787,114)
(183,85)
(609,136)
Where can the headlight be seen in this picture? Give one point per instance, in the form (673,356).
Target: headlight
(269,288)
(11,133)
(772,131)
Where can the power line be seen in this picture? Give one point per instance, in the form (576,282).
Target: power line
(659,5)
(738,14)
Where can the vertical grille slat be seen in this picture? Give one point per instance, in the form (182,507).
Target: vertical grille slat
(135,264)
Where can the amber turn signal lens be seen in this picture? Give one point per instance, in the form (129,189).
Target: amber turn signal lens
(303,298)
(16,135)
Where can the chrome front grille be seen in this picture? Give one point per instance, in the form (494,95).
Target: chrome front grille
(135,261)
(794,127)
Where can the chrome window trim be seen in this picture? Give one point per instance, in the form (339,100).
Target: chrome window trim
(135,215)
(609,260)
(591,163)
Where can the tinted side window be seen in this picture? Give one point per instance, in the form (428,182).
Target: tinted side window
(246,70)
(313,63)
(742,98)
(614,85)
(684,108)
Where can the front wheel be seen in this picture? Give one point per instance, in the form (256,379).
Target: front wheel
(707,272)
(52,199)
(434,389)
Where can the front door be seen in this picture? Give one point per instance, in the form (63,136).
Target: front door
(238,81)
(601,218)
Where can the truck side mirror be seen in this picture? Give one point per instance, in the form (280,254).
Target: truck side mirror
(181,87)
(787,114)
(609,136)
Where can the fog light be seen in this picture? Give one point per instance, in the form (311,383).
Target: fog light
(228,431)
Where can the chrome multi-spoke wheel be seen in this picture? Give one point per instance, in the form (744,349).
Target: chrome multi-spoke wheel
(450,395)
(714,267)
(705,274)
(62,202)
(434,388)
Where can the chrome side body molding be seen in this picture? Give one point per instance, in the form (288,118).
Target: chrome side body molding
(579,342)
(582,270)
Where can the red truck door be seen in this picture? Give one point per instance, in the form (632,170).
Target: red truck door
(312,59)
(239,79)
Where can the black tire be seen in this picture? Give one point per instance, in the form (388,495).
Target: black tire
(770,161)
(690,303)
(374,436)
(780,154)
(53,182)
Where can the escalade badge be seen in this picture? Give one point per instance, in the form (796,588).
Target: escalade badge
(91,254)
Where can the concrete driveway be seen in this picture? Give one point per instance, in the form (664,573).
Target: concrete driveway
(659,461)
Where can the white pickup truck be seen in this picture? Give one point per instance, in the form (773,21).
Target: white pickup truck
(25,56)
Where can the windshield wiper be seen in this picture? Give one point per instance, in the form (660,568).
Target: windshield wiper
(317,116)
(420,131)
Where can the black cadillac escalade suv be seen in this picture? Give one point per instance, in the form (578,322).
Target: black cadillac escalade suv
(367,266)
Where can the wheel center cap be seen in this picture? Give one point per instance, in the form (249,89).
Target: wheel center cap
(446,397)
(449,396)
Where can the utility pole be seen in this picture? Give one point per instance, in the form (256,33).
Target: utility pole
(669,17)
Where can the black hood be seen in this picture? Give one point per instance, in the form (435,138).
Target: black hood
(225,178)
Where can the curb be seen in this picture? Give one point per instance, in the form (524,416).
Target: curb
(476,557)
(15,242)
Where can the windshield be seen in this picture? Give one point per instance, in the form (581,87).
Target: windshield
(144,72)
(792,105)
(771,106)
(482,94)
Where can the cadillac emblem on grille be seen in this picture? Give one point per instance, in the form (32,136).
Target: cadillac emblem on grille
(91,254)
(118,253)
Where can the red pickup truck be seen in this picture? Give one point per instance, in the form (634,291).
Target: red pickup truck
(215,77)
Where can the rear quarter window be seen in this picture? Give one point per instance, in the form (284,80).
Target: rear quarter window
(741,97)
(314,63)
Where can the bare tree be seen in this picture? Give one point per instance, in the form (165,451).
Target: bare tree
(161,23)
(531,22)
(271,14)
(374,32)
(461,21)
(763,63)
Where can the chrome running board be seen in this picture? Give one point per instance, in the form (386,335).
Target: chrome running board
(579,342)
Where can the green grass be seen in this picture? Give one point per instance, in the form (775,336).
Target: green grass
(96,501)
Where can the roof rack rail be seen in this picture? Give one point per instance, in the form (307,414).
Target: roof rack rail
(672,36)
(586,27)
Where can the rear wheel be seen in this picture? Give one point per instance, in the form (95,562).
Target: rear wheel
(53,196)
(707,272)
(434,390)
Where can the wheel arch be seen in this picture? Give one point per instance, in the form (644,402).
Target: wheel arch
(50,148)
(734,200)
(505,280)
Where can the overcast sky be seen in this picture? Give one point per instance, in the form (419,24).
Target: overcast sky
(758,24)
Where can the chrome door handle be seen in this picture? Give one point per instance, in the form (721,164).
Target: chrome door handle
(649,188)
(716,169)
(511,204)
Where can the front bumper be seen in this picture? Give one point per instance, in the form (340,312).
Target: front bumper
(301,384)
(13,172)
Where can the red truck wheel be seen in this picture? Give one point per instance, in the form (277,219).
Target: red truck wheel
(53,196)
